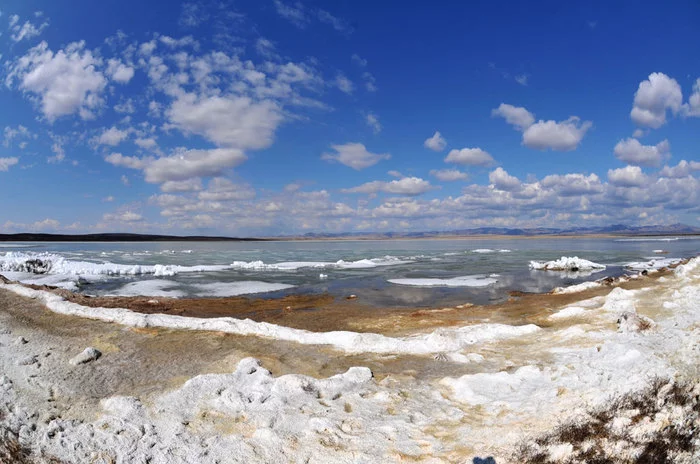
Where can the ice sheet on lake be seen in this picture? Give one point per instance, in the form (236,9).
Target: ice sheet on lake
(462,281)
(566,263)
(224,289)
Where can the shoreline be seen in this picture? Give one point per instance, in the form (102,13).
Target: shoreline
(322,404)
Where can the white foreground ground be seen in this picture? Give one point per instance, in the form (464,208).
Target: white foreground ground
(462,393)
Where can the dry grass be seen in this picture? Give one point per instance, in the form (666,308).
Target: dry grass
(594,439)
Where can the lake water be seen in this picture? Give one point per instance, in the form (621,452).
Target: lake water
(386,273)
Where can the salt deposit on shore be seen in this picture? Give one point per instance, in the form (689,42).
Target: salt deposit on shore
(523,379)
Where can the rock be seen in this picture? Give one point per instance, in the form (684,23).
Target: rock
(88,355)
(632,322)
(5,331)
(21,341)
(351,297)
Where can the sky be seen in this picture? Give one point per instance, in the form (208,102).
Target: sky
(282,117)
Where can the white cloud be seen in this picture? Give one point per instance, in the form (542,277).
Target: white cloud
(558,136)
(189,185)
(46,224)
(186,41)
(470,156)
(629,176)
(18,133)
(125,216)
(682,169)
(653,98)
(692,108)
(344,84)
(131,162)
(6,163)
(516,116)
(108,199)
(354,155)
(230,121)
(327,18)
(146,143)
(266,48)
(394,173)
(409,186)
(65,82)
(522,79)
(501,180)
(59,152)
(119,72)
(294,14)
(125,107)
(111,137)
(542,135)
(358,60)
(573,184)
(373,122)
(638,133)
(632,152)
(187,164)
(449,175)
(125,180)
(370,82)
(436,143)
(24,31)
(221,189)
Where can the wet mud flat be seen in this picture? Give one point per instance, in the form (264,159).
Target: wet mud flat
(324,312)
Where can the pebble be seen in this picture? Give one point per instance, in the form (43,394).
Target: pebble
(21,341)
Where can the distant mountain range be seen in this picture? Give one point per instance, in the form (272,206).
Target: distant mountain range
(617,229)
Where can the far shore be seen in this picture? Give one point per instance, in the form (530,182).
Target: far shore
(136,238)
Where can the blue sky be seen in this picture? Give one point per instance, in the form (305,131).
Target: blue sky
(279,117)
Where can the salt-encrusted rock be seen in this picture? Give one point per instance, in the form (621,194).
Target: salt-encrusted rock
(633,322)
(88,355)
(21,341)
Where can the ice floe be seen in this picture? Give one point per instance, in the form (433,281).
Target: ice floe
(340,264)
(566,263)
(223,289)
(462,281)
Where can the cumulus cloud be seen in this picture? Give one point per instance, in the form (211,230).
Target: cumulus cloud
(436,143)
(358,60)
(629,176)
(449,175)
(470,156)
(354,155)
(187,164)
(692,108)
(573,184)
(229,121)
(222,189)
(516,116)
(119,72)
(131,162)
(409,186)
(189,185)
(6,163)
(501,180)
(654,97)
(65,82)
(682,169)
(542,135)
(125,216)
(373,122)
(558,136)
(111,137)
(631,151)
